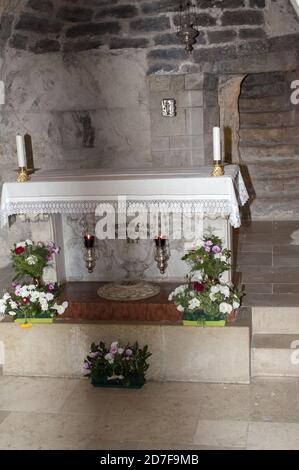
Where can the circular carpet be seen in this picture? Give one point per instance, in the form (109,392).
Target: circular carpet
(128,290)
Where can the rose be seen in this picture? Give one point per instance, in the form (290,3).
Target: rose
(25,300)
(19,250)
(216,249)
(198,286)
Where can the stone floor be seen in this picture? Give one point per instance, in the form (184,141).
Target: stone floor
(50,413)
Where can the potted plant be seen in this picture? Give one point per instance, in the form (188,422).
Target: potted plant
(117,365)
(29,304)
(30,259)
(206,299)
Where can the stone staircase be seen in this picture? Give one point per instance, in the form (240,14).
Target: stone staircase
(275,336)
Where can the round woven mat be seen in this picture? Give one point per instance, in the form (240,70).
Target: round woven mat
(128,290)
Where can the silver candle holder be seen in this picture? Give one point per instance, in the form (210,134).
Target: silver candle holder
(161,254)
(90,256)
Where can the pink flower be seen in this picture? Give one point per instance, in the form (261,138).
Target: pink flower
(49,258)
(51,286)
(207,248)
(86,365)
(216,249)
(113,349)
(209,243)
(128,352)
(94,354)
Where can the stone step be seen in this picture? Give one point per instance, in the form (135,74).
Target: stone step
(270,119)
(271,136)
(275,355)
(275,320)
(258,154)
(273,103)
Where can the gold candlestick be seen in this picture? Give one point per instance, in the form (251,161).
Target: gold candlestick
(217,168)
(22,175)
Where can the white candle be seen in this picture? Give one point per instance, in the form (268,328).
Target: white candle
(21,151)
(216,143)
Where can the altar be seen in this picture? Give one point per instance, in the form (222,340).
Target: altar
(181,204)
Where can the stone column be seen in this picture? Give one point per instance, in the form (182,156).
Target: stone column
(228,99)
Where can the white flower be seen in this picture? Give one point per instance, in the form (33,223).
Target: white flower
(31,260)
(13,305)
(44,306)
(215,289)
(28,242)
(2,308)
(212,297)
(180,308)
(49,296)
(194,303)
(109,358)
(21,245)
(236,305)
(170,297)
(11,313)
(223,258)
(224,290)
(6,296)
(197,276)
(114,344)
(225,307)
(60,308)
(120,350)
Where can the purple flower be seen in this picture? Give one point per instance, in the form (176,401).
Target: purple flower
(13,285)
(207,248)
(209,243)
(113,349)
(86,365)
(94,354)
(51,286)
(128,352)
(216,249)
(49,258)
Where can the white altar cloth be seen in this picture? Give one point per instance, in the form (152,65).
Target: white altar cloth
(80,191)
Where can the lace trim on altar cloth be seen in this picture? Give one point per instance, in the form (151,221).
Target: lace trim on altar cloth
(222,207)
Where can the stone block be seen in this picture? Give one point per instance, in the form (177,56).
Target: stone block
(77,46)
(237,18)
(251,33)
(45,45)
(171,53)
(177,83)
(127,43)
(189,99)
(257,3)
(42,6)
(194,121)
(194,81)
(18,41)
(161,6)
(220,3)
(159,83)
(160,143)
(207,361)
(121,11)
(93,29)
(204,20)
(215,54)
(162,68)
(221,36)
(168,39)
(33,23)
(211,118)
(159,23)
(165,126)
(75,14)
(186,142)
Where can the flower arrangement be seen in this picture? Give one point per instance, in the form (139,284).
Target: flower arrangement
(206,297)
(29,301)
(117,365)
(30,259)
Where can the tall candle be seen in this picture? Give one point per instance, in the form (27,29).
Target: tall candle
(21,151)
(216,143)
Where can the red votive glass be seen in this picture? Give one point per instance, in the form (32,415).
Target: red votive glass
(89,240)
(160,241)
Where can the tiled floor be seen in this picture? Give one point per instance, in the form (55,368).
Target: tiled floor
(50,413)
